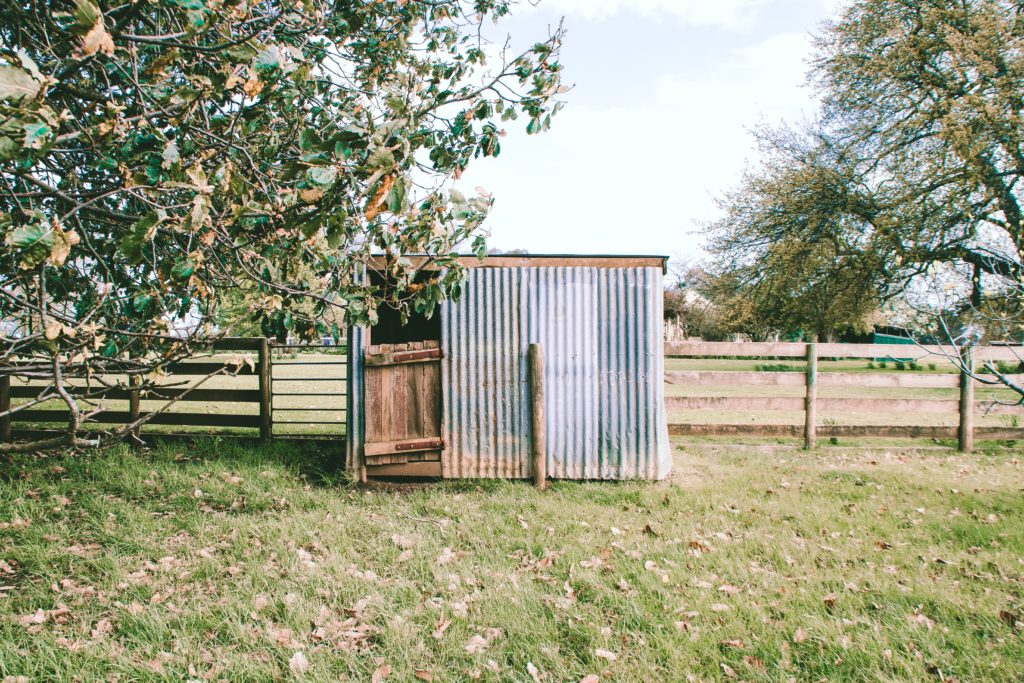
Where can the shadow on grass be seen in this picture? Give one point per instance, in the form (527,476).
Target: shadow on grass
(319,463)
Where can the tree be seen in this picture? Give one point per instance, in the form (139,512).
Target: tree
(155,156)
(790,252)
(917,159)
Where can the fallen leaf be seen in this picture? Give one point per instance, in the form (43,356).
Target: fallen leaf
(381,673)
(534,672)
(738,644)
(605,654)
(298,663)
(423,675)
(728,670)
(475,644)
(442,626)
(719,607)
(590,678)
(754,663)
(799,635)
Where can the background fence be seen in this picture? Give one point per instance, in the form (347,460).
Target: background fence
(292,390)
(916,391)
(712,389)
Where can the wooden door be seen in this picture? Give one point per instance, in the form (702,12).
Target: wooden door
(403,409)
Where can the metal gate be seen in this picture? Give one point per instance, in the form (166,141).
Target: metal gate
(308,390)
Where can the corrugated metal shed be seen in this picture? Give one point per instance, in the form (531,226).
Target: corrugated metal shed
(601,328)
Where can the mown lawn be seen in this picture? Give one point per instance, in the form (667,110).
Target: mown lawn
(215,561)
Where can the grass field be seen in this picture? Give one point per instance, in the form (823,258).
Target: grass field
(216,561)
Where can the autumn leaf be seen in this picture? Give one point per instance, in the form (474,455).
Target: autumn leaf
(605,654)
(476,644)
(298,663)
(441,627)
(376,203)
(89,25)
(382,672)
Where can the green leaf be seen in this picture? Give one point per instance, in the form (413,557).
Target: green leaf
(142,233)
(323,176)
(268,59)
(183,270)
(141,302)
(396,196)
(35,133)
(242,53)
(85,14)
(35,241)
(17,84)
(170,154)
(8,148)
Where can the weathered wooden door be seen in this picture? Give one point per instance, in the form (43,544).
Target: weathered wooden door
(403,409)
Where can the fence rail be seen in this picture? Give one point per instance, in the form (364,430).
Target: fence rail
(810,379)
(251,407)
(799,350)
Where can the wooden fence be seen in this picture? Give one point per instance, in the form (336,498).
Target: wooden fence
(254,406)
(811,379)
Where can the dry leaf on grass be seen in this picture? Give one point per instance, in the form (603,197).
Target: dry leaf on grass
(382,672)
(605,654)
(298,663)
(442,626)
(476,644)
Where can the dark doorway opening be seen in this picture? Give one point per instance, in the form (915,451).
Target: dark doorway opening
(389,328)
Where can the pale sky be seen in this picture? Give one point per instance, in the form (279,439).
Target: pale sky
(657,124)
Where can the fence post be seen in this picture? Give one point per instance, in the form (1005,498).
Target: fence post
(535,352)
(810,397)
(5,405)
(266,410)
(965,433)
(134,411)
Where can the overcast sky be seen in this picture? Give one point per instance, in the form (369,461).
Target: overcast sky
(657,124)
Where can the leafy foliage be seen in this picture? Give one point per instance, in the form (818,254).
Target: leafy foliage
(156,156)
(916,162)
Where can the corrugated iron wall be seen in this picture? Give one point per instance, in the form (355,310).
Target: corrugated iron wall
(355,425)
(601,332)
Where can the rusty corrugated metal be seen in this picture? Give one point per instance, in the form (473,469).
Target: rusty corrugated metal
(601,331)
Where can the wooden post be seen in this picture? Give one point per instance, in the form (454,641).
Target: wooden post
(965,433)
(811,397)
(535,354)
(266,408)
(134,411)
(5,405)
